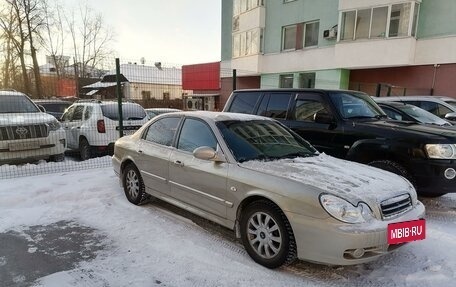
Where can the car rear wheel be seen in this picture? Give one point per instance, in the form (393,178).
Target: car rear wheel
(267,235)
(85,150)
(133,185)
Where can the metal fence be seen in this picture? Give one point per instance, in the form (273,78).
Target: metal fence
(73,118)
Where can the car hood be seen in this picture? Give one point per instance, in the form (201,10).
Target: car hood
(412,129)
(15,119)
(349,180)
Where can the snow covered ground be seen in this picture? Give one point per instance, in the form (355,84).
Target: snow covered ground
(153,245)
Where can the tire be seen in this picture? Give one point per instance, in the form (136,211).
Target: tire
(133,185)
(85,150)
(58,157)
(393,167)
(267,235)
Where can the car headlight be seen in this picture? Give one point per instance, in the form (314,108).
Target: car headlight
(344,211)
(54,125)
(441,151)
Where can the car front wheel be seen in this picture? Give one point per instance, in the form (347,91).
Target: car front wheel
(267,235)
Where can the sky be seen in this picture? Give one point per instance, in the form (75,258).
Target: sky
(171,31)
(153,245)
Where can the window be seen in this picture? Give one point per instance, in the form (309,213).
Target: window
(286,81)
(307,80)
(241,6)
(399,20)
(287,1)
(130,111)
(88,112)
(247,43)
(311,34)
(392,113)
(68,114)
(277,106)
(162,131)
(307,108)
(435,108)
(289,38)
(145,95)
(244,103)
(78,112)
(372,22)
(348,25)
(196,134)
(379,21)
(363,24)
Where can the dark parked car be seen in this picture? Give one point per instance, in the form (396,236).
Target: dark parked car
(350,125)
(405,112)
(54,107)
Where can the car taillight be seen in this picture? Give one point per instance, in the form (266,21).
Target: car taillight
(101,126)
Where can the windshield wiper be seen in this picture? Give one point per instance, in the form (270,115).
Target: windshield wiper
(296,154)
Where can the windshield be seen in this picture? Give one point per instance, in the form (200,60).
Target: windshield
(17,104)
(422,115)
(263,140)
(351,105)
(129,111)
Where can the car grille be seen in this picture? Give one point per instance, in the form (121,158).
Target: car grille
(396,205)
(23,132)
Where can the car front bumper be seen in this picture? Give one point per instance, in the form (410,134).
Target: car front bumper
(332,242)
(430,177)
(12,151)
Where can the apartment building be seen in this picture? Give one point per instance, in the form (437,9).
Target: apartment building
(395,47)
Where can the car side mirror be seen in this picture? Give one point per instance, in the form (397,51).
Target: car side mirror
(324,118)
(208,153)
(450,116)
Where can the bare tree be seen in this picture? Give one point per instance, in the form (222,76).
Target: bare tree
(32,11)
(91,39)
(53,38)
(12,24)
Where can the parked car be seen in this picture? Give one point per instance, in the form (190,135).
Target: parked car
(443,107)
(26,133)
(350,125)
(255,176)
(92,126)
(404,112)
(152,112)
(55,108)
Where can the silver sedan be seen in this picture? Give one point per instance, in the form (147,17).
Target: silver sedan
(282,198)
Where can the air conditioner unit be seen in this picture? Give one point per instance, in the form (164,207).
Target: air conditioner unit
(193,104)
(330,33)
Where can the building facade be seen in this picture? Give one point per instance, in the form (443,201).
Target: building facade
(395,47)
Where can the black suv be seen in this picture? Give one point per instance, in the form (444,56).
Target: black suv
(350,125)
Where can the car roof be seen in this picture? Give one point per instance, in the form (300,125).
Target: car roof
(162,109)
(412,98)
(217,116)
(47,101)
(395,104)
(296,90)
(11,93)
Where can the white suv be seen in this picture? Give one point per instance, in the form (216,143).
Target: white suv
(92,126)
(26,133)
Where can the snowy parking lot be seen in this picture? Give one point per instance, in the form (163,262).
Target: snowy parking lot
(76,228)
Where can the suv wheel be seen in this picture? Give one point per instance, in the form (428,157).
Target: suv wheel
(85,150)
(267,235)
(393,167)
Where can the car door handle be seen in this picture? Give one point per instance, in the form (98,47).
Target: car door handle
(178,163)
(140,151)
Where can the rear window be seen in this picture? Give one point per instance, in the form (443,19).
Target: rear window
(55,107)
(129,111)
(17,104)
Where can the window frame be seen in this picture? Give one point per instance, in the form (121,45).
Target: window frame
(412,21)
(304,34)
(295,26)
(173,140)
